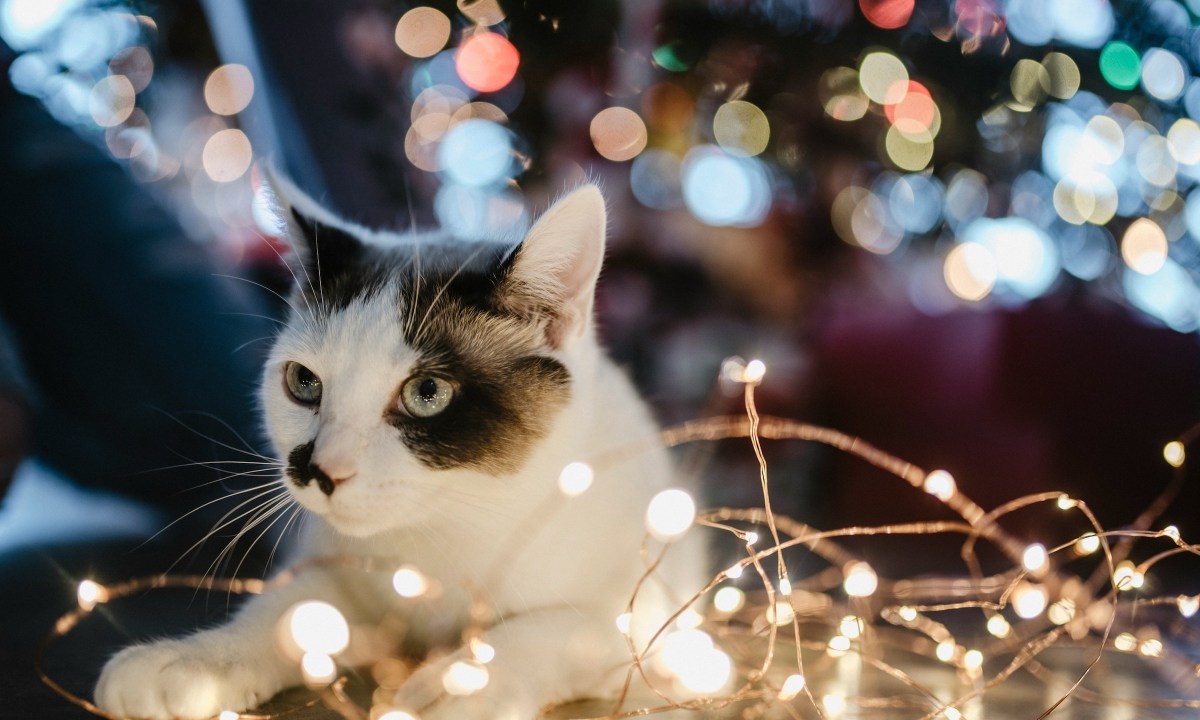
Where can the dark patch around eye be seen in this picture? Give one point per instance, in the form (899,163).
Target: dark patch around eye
(495,419)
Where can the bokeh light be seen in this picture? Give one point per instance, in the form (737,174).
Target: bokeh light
(741,128)
(618,133)
(1163,74)
(487,61)
(670,514)
(484,13)
(227,155)
(422,32)
(1120,65)
(229,89)
(883,77)
(319,628)
(111,100)
(1063,75)
(887,14)
(970,271)
(477,153)
(1144,246)
(720,189)
(841,94)
(655,179)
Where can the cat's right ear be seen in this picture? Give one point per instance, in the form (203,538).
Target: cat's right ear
(320,244)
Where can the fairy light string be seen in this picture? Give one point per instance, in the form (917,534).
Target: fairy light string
(843,610)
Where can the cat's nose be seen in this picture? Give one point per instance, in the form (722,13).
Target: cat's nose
(328,481)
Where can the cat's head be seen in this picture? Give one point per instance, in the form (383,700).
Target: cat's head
(416,374)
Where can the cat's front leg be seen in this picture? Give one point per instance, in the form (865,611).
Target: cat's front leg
(236,666)
(540,658)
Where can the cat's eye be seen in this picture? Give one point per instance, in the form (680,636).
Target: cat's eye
(425,396)
(302,384)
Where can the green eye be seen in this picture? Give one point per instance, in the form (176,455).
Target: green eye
(302,384)
(425,396)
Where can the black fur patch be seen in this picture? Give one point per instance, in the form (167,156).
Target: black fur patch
(303,471)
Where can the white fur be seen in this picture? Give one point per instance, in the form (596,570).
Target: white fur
(557,571)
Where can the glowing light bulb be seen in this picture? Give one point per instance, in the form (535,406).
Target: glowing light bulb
(1087,544)
(781,613)
(734,571)
(1125,642)
(1029,600)
(482,651)
(907,613)
(951,714)
(409,582)
(940,484)
(624,620)
(1151,648)
(785,587)
(670,515)
(851,626)
(1171,532)
(754,372)
(861,580)
(972,660)
(319,629)
(465,677)
(751,538)
(228,715)
(1035,559)
(1066,502)
(945,650)
(575,479)
(1188,605)
(318,668)
(729,599)
(90,594)
(1127,577)
(397,715)
(689,620)
(791,687)
(695,661)
(998,626)
(1061,612)
(838,645)
(1174,453)
(834,705)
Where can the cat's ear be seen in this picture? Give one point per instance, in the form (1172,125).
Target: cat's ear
(555,269)
(320,244)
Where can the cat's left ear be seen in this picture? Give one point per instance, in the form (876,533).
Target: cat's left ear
(320,244)
(555,269)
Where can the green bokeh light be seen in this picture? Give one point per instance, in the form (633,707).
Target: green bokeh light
(1120,65)
(666,57)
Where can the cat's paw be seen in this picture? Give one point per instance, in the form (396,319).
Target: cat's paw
(180,679)
(431,691)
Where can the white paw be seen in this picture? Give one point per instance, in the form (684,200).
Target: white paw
(180,679)
(501,699)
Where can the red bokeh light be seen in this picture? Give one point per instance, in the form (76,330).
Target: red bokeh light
(487,61)
(915,112)
(887,14)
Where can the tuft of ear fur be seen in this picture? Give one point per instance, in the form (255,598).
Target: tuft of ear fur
(555,269)
(321,243)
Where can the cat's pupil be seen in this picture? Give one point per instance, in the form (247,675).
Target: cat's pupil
(428,389)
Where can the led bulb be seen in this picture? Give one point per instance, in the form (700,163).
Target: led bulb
(729,599)
(318,668)
(861,580)
(941,485)
(1035,559)
(465,677)
(575,479)
(670,515)
(791,687)
(90,594)
(319,628)
(1174,453)
(409,582)
(998,626)
(1188,605)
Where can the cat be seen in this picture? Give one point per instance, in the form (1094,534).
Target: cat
(424,396)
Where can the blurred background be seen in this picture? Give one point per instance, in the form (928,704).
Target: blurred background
(966,230)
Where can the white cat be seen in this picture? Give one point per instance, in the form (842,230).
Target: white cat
(426,394)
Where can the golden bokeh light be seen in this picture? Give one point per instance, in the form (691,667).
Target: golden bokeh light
(883,77)
(618,133)
(908,152)
(970,271)
(227,155)
(741,128)
(111,100)
(229,89)
(422,32)
(135,64)
(1030,82)
(1063,75)
(916,115)
(1183,140)
(841,95)
(1144,246)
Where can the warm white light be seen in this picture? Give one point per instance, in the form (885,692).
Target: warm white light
(231,715)
(754,372)
(851,626)
(318,668)
(1087,544)
(227,155)
(699,665)
(861,580)
(838,646)
(1188,605)
(1125,642)
(945,650)
(624,620)
(319,628)
(465,677)
(1029,600)
(397,715)
(729,599)
(1066,502)
(791,687)
(90,594)
(834,705)
(409,582)
(1035,559)
(1152,647)
(734,571)
(1174,453)
(751,538)
(1172,532)
(575,479)
(781,613)
(998,626)
(483,652)
(951,714)
(908,613)
(228,89)
(1061,612)
(940,484)
(785,587)
(1128,577)
(670,515)
(689,620)
(972,659)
